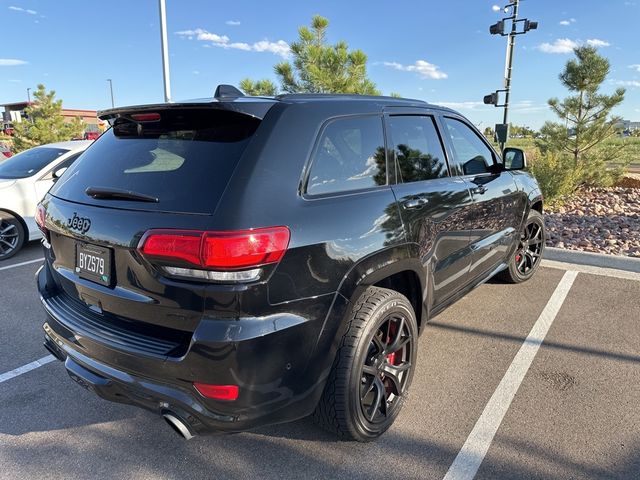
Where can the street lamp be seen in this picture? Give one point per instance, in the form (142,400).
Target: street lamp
(165,51)
(29,94)
(502,130)
(111,89)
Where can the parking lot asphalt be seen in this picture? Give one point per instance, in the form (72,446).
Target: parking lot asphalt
(575,413)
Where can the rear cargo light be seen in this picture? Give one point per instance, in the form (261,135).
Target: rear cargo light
(217,392)
(40,217)
(227,251)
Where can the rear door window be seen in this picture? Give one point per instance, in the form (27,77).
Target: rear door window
(349,156)
(417,148)
(185,160)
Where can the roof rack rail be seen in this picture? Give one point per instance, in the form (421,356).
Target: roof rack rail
(227,91)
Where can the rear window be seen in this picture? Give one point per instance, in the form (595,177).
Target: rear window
(29,162)
(349,156)
(185,160)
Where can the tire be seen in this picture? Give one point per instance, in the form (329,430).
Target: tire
(12,235)
(371,364)
(525,261)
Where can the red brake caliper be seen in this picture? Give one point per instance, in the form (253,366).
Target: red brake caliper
(391,358)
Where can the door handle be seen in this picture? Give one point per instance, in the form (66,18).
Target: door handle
(480,190)
(415,203)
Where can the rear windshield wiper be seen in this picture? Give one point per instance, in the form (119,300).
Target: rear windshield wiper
(106,193)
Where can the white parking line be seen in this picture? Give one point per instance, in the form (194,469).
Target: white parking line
(21,264)
(467,462)
(26,368)
(593,270)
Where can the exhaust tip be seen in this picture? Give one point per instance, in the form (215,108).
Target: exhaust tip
(178,425)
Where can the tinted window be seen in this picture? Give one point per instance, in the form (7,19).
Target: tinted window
(349,156)
(471,154)
(418,151)
(66,163)
(29,162)
(185,160)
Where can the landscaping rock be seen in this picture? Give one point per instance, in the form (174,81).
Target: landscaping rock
(603,220)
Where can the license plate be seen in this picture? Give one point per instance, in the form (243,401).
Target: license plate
(93,263)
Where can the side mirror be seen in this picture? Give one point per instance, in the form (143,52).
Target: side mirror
(514,159)
(58,173)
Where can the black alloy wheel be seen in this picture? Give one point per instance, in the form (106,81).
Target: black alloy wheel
(525,261)
(11,236)
(373,368)
(386,369)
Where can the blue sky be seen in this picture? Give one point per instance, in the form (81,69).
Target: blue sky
(437,51)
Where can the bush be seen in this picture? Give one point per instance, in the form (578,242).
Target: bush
(555,174)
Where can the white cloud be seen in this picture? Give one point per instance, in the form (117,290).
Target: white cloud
(203,35)
(421,67)
(11,62)
(20,9)
(629,83)
(278,48)
(561,45)
(566,45)
(462,105)
(596,42)
(233,23)
(496,8)
(568,22)
(636,67)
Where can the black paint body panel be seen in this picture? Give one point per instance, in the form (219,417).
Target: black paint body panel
(147,337)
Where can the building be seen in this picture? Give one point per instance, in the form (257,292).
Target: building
(629,126)
(14,113)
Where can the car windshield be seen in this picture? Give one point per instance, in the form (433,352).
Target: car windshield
(29,162)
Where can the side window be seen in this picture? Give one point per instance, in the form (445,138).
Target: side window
(66,163)
(350,156)
(418,151)
(471,153)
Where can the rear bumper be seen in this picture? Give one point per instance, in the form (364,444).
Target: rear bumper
(279,362)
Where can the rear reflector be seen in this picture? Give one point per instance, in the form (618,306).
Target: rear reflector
(218,250)
(217,392)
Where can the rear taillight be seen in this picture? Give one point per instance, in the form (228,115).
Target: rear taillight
(220,256)
(7,154)
(217,392)
(40,217)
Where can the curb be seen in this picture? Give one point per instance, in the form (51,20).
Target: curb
(602,260)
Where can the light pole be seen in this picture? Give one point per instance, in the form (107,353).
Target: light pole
(111,90)
(165,51)
(29,95)
(502,129)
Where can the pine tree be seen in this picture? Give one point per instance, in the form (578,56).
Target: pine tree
(45,124)
(586,119)
(259,88)
(318,67)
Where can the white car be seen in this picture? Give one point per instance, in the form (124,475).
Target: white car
(24,180)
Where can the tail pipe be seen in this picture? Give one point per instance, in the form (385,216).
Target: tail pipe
(178,425)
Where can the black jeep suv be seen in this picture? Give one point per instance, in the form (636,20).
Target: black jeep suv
(241,261)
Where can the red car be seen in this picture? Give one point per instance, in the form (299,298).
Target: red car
(92,135)
(5,152)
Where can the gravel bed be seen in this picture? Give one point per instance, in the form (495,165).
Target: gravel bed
(602,220)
